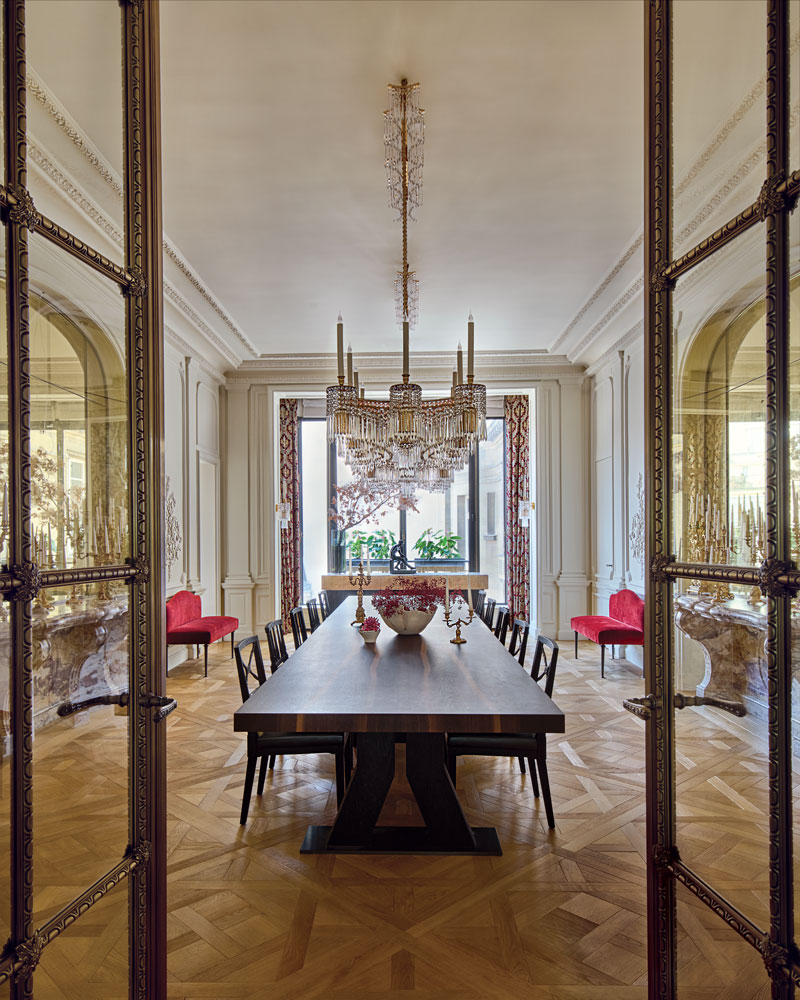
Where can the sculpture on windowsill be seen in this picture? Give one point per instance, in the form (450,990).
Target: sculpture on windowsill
(398,563)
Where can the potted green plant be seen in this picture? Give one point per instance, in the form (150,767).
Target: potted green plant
(439,550)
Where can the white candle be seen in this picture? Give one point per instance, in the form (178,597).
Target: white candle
(470,349)
(447,595)
(350,560)
(367,548)
(340,346)
(460,364)
(469,593)
(5,503)
(349,365)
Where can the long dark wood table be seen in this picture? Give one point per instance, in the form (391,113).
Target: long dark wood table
(422,686)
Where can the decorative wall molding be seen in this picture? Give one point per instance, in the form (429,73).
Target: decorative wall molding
(630,293)
(89,151)
(430,367)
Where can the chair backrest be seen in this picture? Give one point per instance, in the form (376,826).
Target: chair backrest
(479,601)
(252,672)
(313,614)
(519,634)
(183,607)
(549,669)
(324,607)
(297,618)
(626,606)
(488,611)
(276,643)
(501,626)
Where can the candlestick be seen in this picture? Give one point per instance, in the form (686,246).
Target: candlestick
(360,581)
(446,596)
(469,593)
(340,347)
(457,640)
(470,349)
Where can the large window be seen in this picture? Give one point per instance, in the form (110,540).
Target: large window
(464,526)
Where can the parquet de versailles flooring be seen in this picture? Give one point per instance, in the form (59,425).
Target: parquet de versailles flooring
(560,916)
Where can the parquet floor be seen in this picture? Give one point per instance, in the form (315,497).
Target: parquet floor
(560,916)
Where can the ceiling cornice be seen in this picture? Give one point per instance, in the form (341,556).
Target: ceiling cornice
(428,367)
(59,114)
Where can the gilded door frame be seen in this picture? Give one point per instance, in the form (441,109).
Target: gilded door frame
(778,578)
(140,281)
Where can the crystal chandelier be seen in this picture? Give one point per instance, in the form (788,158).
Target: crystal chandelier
(406,441)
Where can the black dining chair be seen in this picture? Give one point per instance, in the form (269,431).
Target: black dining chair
(313,614)
(532,746)
(479,602)
(324,607)
(297,618)
(488,611)
(519,634)
(265,746)
(501,625)
(276,644)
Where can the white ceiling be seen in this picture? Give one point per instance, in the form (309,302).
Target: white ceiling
(274,186)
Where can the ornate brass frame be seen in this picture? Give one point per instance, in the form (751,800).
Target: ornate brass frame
(140,281)
(778,578)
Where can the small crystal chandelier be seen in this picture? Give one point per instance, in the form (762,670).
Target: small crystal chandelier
(406,441)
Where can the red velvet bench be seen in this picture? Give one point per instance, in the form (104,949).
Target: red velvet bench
(186,625)
(624,625)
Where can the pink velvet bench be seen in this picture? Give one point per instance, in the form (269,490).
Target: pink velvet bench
(624,625)
(186,625)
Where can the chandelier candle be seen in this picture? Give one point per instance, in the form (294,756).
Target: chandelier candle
(470,349)
(340,347)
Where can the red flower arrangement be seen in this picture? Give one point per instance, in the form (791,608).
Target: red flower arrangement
(371,624)
(409,595)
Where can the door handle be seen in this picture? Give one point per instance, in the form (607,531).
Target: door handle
(640,707)
(686,701)
(164,704)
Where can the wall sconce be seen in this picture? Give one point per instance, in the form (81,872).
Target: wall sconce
(525,508)
(284,512)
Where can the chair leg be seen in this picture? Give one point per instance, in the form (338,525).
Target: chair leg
(206,649)
(262,773)
(521,764)
(272,762)
(548,802)
(348,758)
(248,788)
(576,645)
(534,782)
(340,779)
(233,636)
(613,652)
(602,661)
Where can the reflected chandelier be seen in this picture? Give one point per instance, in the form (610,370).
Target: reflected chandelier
(406,441)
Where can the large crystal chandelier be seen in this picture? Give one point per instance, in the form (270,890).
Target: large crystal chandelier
(406,441)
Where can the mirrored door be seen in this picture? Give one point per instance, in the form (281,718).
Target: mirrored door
(81,660)
(722,278)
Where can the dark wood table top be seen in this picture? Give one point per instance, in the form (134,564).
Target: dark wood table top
(420,683)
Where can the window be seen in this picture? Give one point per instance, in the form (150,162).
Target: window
(444,525)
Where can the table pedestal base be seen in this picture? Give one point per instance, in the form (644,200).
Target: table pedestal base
(446,829)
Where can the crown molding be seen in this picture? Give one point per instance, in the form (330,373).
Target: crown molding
(59,114)
(186,349)
(428,367)
(723,192)
(636,333)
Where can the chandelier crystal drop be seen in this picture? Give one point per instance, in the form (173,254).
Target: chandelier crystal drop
(406,441)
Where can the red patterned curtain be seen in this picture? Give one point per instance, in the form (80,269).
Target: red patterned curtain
(518,555)
(291,570)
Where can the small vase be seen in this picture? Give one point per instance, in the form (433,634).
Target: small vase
(368,636)
(409,622)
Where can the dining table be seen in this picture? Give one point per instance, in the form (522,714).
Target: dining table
(411,688)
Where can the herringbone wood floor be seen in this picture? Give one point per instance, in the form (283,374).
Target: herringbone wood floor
(560,916)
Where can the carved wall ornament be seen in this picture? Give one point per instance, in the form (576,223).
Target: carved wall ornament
(28,954)
(22,209)
(637,526)
(30,581)
(770,199)
(137,285)
(173,543)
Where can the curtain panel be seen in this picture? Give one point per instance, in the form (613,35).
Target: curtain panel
(291,570)
(518,556)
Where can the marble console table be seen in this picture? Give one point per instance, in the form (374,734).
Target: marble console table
(338,585)
(732,636)
(78,653)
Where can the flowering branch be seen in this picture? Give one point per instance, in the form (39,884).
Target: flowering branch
(362,501)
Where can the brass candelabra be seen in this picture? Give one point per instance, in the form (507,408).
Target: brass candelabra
(708,541)
(457,639)
(360,581)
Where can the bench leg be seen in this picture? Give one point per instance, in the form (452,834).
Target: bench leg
(576,645)
(206,653)
(602,661)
